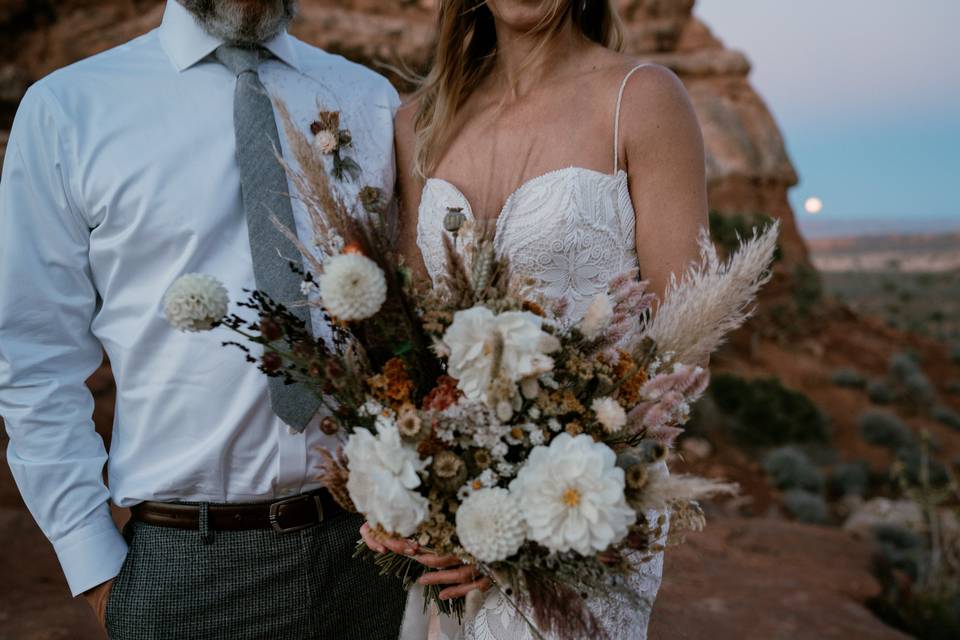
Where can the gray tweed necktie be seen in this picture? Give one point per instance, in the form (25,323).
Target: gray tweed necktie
(264,189)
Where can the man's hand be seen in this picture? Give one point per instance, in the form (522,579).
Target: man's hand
(97,599)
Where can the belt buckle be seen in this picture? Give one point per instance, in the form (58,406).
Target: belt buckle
(275,510)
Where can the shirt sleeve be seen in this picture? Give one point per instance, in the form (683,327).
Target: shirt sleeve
(47,349)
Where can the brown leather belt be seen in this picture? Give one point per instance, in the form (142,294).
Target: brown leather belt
(285,515)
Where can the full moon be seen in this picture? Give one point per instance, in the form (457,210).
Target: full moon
(813,205)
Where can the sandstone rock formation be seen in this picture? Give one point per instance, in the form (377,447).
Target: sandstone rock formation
(748,168)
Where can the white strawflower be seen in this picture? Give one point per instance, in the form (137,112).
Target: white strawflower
(572,495)
(325,142)
(383,475)
(490,525)
(477,338)
(352,286)
(194,302)
(610,414)
(597,316)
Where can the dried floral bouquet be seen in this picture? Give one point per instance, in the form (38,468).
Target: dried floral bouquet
(473,419)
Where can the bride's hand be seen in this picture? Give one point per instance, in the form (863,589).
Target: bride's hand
(448,569)
(464,578)
(380,543)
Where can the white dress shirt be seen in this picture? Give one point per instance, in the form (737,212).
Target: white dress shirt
(120,176)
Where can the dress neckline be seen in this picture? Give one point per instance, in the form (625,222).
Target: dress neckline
(501,215)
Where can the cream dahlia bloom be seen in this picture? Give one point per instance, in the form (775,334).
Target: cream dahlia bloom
(383,475)
(597,317)
(478,340)
(490,525)
(610,414)
(325,142)
(194,302)
(352,286)
(572,495)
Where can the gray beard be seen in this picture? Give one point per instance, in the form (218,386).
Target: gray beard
(231,22)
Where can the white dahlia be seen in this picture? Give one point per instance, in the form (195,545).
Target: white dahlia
(610,414)
(597,317)
(383,473)
(572,495)
(325,142)
(352,286)
(490,525)
(477,339)
(194,302)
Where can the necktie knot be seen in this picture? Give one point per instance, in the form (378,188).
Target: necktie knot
(238,60)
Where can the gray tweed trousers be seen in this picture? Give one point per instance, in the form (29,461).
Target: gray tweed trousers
(239,585)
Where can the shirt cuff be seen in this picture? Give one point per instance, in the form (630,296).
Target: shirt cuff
(92,554)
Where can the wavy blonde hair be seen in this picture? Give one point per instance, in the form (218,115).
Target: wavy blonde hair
(465,53)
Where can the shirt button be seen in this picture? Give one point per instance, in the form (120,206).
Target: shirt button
(293,431)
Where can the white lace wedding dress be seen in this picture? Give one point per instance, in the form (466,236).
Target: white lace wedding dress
(572,231)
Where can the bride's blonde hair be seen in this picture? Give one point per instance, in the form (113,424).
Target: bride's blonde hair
(465,53)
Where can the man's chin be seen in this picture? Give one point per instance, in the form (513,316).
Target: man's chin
(243,22)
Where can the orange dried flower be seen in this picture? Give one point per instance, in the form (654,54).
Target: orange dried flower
(393,385)
(443,395)
(534,308)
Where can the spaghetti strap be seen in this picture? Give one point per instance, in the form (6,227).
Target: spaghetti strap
(616,120)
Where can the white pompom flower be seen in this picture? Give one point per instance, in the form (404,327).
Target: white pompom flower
(610,414)
(383,476)
(195,302)
(325,142)
(597,317)
(490,525)
(352,287)
(572,496)
(477,339)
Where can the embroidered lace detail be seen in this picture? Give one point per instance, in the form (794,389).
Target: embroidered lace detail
(571,231)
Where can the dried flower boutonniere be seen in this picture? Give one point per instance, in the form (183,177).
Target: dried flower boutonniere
(330,139)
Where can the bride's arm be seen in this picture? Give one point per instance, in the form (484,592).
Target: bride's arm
(663,152)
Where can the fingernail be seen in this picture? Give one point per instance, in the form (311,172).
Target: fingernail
(409,551)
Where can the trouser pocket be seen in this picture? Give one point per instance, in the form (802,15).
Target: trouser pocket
(115,619)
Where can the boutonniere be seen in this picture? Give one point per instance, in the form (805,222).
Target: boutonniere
(330,140)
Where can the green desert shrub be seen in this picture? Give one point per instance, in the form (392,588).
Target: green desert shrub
(945,415)
(884,429)
(915,387)
(806,507)
(879,392)
(911,460)
(849,479)
(765,413)
(899,547)
(807,288)
(727,229)
(790,468)
(850,378)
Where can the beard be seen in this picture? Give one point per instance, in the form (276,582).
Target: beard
(242,22)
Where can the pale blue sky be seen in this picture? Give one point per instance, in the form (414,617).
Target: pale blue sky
(867,93)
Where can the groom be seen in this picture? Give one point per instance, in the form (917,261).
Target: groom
(123,172)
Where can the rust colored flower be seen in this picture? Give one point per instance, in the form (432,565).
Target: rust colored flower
(534,308)
(443,395)
(270,329)
(271,361)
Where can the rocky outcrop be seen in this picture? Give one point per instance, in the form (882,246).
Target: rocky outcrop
(748,168)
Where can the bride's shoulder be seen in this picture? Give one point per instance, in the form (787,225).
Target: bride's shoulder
(653,100)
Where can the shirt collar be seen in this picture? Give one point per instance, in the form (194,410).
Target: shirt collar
(186,42)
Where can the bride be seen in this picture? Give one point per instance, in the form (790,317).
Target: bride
(584,162)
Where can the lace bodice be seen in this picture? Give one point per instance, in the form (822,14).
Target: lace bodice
(570,230)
